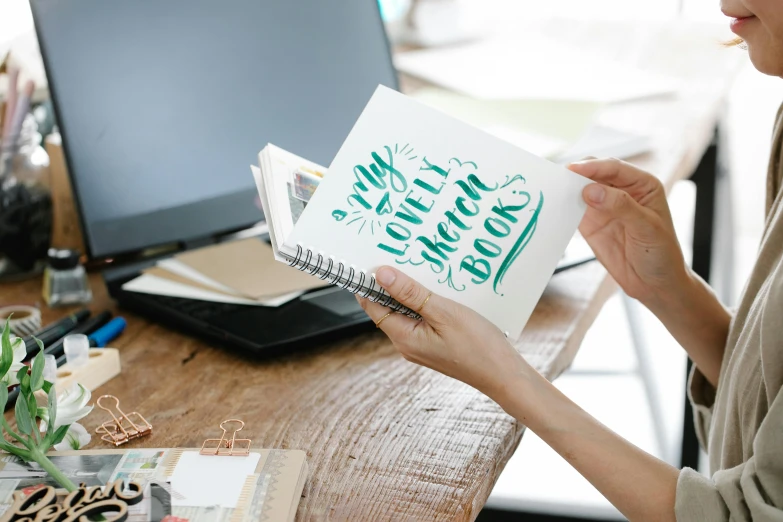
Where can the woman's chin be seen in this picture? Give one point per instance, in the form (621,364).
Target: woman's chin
(768,59)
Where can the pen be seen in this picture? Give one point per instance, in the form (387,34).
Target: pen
(87,327)
(10,103)
(22,107)
(101,337)
(55,331)
(79,315)
(107,333)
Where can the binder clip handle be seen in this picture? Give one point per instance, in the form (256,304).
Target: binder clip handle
(225,445)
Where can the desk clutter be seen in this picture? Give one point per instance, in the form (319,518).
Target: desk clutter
(74,350)
(238,272)
(178,484)
(224,480)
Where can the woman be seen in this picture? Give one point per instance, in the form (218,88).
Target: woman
(736,383)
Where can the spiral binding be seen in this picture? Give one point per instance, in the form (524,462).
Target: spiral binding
(335,273)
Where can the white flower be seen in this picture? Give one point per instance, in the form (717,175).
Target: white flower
(71,407)
(20,352)
(76,438)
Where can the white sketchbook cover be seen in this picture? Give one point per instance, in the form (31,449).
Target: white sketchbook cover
(470,216)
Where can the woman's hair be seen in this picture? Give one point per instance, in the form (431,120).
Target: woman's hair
(737,42)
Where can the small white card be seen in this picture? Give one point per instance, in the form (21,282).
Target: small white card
(210,480)
(466,214)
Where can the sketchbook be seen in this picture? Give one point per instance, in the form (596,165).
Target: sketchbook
(470,216)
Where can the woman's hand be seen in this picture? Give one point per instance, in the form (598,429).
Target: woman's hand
(629,227)
(451,338)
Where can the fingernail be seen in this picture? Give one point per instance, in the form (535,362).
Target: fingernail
(385,276)
(595,193)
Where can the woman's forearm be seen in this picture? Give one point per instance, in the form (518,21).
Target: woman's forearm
(698,321)
(640,486)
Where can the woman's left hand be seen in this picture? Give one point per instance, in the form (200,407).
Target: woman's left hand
(451,338)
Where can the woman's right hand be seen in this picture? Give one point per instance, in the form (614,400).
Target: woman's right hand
(629,227)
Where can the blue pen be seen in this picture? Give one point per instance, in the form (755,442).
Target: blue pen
(107,333)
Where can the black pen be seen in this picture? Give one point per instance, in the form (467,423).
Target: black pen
(54,331)
(78,316)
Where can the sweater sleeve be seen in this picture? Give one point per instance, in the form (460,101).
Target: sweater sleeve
(702,396)
(752,491)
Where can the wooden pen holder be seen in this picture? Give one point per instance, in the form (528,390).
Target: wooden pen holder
(102,366)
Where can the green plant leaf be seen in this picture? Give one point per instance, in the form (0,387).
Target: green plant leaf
(23,421)
(21,373)
(39,343)
(52,412)
(24,381)
(3,395)
(7,352)
(59,435)
(47,387)
(36,375)
(32,407)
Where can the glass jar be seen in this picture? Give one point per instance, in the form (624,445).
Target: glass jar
(24,158)
(65,280)
(25,203)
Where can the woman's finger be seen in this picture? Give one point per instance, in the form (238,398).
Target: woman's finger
(411,294)
(640,185)
(616,173)
(393,324)
(616,204)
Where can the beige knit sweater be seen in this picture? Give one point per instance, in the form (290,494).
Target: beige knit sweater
(741,423)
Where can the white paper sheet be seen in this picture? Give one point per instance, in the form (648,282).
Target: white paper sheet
(496,229)
(532,67)
(150,284)
(207,480)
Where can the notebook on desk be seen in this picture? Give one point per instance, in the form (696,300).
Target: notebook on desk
(263,485)
(468,215)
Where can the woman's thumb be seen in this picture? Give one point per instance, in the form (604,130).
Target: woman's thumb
(409,293)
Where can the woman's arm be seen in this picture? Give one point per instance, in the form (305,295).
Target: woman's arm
(698,321)
(458,342)
(639,485)
(629,227)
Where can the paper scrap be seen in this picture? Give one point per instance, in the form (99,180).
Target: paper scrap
(208,480)
(150,284)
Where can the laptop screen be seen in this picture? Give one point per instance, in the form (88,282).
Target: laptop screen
(163,105)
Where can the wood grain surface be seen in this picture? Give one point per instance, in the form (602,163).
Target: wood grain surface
(385,439)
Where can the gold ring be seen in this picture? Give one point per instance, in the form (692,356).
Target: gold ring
(425,302)
(378,324)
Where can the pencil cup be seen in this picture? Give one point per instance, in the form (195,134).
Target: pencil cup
(26,222)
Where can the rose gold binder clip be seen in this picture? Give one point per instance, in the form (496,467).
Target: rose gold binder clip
(232,447)
(124,428)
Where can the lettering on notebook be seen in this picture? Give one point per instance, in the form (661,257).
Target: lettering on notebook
(419,208)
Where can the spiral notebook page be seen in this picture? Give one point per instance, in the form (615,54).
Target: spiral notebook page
(468,215)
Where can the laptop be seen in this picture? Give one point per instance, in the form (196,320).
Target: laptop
(162,107)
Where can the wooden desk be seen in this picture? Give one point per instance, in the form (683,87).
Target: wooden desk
(386,439)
